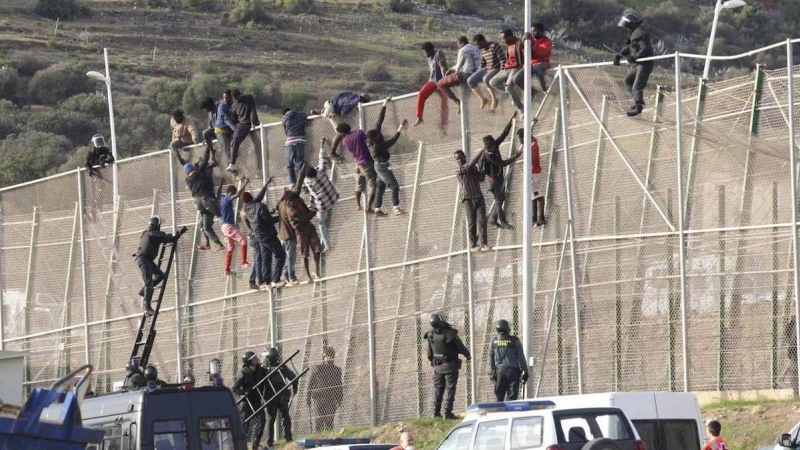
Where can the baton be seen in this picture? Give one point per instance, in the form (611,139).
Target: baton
(612,50)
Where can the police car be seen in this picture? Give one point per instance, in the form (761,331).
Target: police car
(540,424)
(343,444)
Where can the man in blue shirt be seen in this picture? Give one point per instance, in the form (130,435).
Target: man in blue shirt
(230,231)
(294,125)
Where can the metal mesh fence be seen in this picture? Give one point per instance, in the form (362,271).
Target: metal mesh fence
(614,305)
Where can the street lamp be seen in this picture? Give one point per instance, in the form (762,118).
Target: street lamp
(107,80)
(730,4)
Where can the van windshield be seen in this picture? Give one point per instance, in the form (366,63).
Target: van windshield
(584,427)
(169,435)
(216,433)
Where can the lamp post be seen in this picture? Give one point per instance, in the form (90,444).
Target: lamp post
(107,80)
(730,4)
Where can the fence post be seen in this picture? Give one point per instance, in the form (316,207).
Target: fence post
(2,319)
(571,225)
(26,344)
(65,352)
(681,237)
(176,277)
(793,164)
(84,274)
(373,398)
(775,270)
(264,159)
(723,284)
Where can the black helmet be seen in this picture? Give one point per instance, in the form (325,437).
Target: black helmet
(630,21)
(273,356)
(248,358)
(151,373)
(154,224)
(436,321)
(502,326)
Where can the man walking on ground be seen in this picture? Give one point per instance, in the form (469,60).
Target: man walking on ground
(183,131)
(494,168)
(444,346)
(201,184)
(541,48)
(288,237)
(325,389)
(230,231)
(492,60)
(99,155)
(507,363)
(467,63)
(406,441)
(263,225)
(322,192)
(149,244)
(355,141)
(294,125)
(380,153)
(437,66)
(637,47)
(537,190)
(244,109)
(472,201)
(504,81)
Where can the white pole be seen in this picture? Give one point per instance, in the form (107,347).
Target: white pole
(527,222)
(793,163)
(114,171)
(681,238)
(707,67)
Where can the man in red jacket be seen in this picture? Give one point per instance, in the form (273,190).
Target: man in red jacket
(537,190)
(541,47)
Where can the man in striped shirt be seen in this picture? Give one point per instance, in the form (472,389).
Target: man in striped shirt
(492,60)
(323,194)
(472,198)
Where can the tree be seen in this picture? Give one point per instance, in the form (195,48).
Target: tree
(61,9)
(93,105)
(9,84)
(58,83)
(166,94)
(202,85)
(31,155)
(77,127)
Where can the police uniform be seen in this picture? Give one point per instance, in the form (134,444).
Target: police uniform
(149,244)
(277,382)
(244,384)
(444,346)
(508,365)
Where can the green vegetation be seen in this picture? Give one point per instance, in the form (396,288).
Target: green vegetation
(375,71)
(247,11)
(61,9)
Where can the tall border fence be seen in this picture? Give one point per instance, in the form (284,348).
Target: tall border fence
(678,270)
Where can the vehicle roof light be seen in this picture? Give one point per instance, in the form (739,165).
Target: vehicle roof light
(312,443)
(519,405)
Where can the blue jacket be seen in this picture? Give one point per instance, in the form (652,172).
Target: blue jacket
(294,123)
(224,119)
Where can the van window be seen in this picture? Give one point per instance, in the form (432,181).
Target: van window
(491,435)
(458,438)
(169,435)
(526,432)
(589,426)
(679,434)
(647,432)
(112,437)
(216,433)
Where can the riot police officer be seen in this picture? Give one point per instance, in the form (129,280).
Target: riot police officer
(444,346)
(507,363)
(245,384)
(277,381)
(135,378)
(637,47)
(149,244)
(151,374)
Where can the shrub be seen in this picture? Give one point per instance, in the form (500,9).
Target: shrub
(297,6)
(9,84)
(202,5)
(77,127)
(401,6)
(463,7)
(61,9)
(166,94)
(295,99)
(92,105)
(31,155)
(138,129)
(59,82)
(202,85)
(249,11)
(375,71)
(28,65)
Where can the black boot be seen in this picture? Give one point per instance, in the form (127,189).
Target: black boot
(635,109)
(148,309)
(450,416)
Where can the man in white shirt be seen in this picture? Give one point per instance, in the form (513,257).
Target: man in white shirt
(468,62)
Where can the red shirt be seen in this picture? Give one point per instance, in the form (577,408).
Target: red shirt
(716,444)
(536,164)
(540,51)
(513,54)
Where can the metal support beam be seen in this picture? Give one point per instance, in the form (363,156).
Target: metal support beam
(29,297)
(774,361)
(681,223)
(596,178)
(373,382)
(84,274)
(105,348)
(65,351)
(722,287)
(2,294)
(617,385)
(793,164)
(264,158)
(571,223)
(698,117)
(176,270)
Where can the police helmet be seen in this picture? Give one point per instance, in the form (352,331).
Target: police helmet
(154,224)
(151,373)
(248,358)
(273,356)
(502,326)
(98,140)
(629,21)
(436,321)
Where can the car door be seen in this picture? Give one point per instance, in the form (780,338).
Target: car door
(458,438)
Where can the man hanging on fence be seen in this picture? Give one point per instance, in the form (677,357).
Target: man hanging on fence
(472,201)
(262,223)
(494,168)
(340,105)
(201,184)
(149,245)
(355,141)
(507,363)
(294,126)
(437,66)
(288,237)
(504,81)
(245,385)
(219,124)
(541,48)
(492,60)
(246,116)
(444,346)
(99,155)
(325,389)
(278,379)
(380,153)
(467,63)
(230,231)
(537,190)
(183,131)
(322,192)
(637,47)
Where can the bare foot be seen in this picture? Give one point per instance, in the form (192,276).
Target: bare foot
(493,106)
(483,103)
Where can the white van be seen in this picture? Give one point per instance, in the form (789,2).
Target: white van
(664,420)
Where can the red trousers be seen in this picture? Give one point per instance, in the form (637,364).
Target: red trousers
(426,91)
